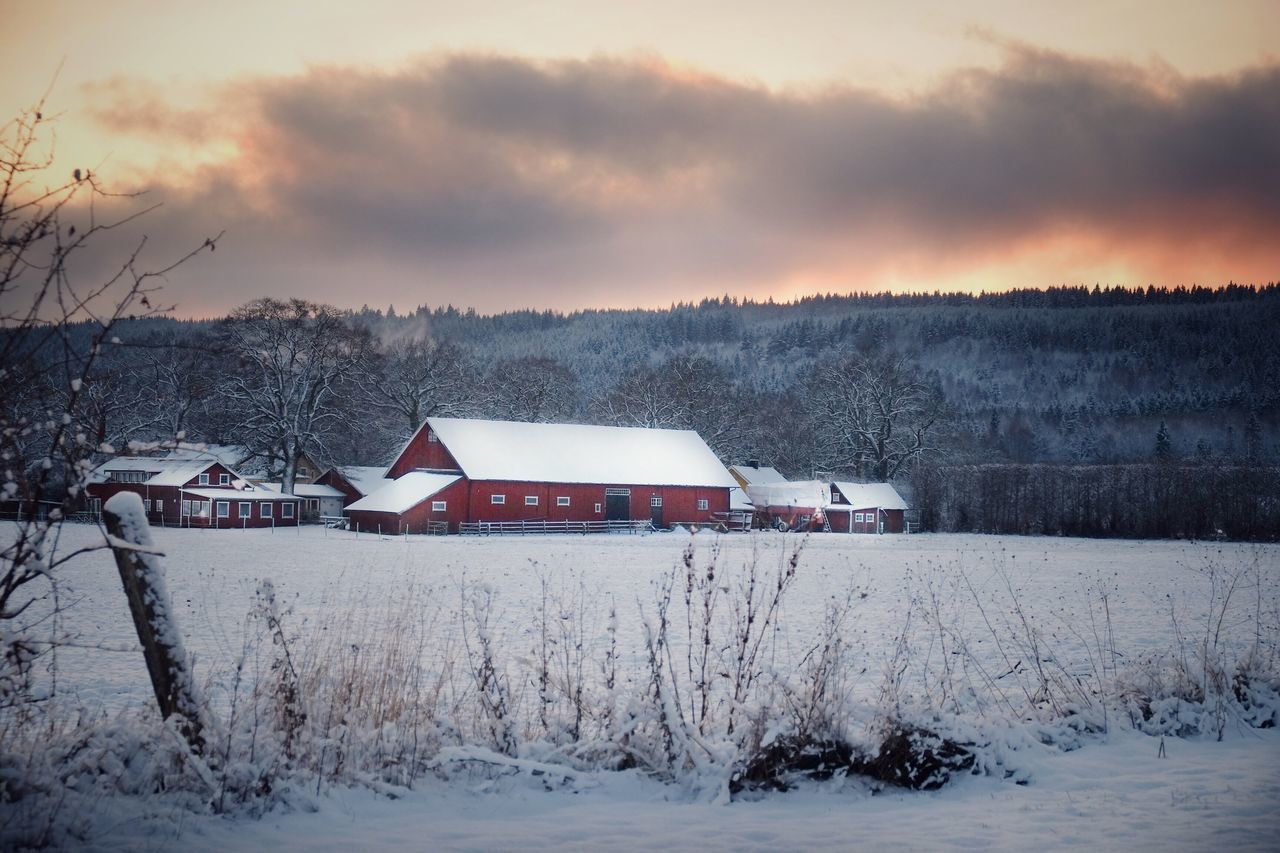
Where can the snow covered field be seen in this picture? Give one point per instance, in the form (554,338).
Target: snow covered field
(1090,606)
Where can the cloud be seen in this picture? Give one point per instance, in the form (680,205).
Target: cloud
(502,182)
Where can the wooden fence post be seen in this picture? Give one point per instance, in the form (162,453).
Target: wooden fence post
(142,575)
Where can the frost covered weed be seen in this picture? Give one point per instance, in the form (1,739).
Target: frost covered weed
(720,689)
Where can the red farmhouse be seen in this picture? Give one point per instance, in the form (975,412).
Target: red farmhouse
(192,493)
(866,508)
(458,471)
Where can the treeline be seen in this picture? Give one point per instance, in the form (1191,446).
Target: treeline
(1145,501)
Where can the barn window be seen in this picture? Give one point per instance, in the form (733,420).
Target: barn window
(597,507)
(146,504)
(224,509)
(857,516)
(562,500)
(159,505)
(286,510)
(304,471)
(246,509)
(530,500)
(439,506)
(224,479)
(186,507)
(656,500)
(432,437)
(204,479)
(702,503)
(497,499)
(266,510)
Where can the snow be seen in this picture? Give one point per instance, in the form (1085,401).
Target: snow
(577,453)
(757,476)
(405,493)
(367,479)
(1113,796)
(871,495)
(1112,793)
(306,490)
(226,494)
(738,499)
(810,494)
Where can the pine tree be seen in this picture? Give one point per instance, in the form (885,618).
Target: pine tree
(1164,444)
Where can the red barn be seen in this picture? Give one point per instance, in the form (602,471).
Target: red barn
(460,471)
(192,493)
(866,508)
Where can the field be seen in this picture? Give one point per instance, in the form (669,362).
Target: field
(1059,661)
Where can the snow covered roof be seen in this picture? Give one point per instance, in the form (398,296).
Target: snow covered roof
(738,500)
(871,495)
(577,453)
(810,494)
(307,490)
(367,479)
(164,472)
(403,494)
(238,494)
(757,475)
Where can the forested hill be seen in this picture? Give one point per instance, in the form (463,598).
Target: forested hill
(1059,375)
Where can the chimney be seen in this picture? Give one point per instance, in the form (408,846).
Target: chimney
(755,463)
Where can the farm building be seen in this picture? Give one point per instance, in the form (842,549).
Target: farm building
(790,505)
(354,481)
(866,508)
(474,472)
(318,500)
(192,493)
(755,474)
(252,466)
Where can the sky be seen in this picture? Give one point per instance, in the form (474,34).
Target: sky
(568,154)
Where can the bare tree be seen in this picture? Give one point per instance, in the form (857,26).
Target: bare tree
(419,378)
(687,391)
(873,414)
(53,330)
(534,388)
(294,358)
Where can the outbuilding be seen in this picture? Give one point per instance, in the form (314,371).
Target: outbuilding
(866,508)
(546,475)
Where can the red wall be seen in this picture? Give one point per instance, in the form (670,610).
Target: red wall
(454,496)
(840,521)
(679,503)
(171,496)
(349,492)
(422,453)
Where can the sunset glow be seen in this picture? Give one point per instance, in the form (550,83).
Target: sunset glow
(583,157)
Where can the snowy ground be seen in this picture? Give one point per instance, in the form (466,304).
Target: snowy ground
(1113,793)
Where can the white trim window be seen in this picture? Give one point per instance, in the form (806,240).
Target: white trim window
(224,479)
(204,479)
(146,504)
(439,506)
(432,438)
(497,500)
(224,509)
(857,516)
(186,507)
(597,509)
(530,500)
(265,510)
(286,509)
(703,504)
(158,504)
(562,500)
(245,510)
(655,501)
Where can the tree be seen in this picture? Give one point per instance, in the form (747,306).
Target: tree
(687,391)
(1164,444)
(293,360)
(534,388)
(54,329)
(875,413)
(419,378)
